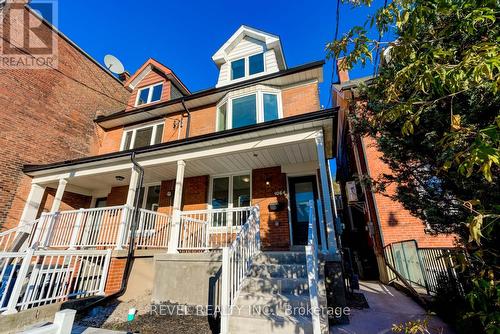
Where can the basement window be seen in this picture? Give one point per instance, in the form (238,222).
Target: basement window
(149,94)
(142,136)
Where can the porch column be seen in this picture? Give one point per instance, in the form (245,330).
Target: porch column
(176,208)
(59,195)
(127,209)
(32,204)
(327,201)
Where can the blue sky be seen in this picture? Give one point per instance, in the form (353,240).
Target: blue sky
(184,35)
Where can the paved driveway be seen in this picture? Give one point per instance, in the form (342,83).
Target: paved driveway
(388,306)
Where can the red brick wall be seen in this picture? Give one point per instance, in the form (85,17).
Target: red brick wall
(274,226)
(117,196)
(194,194)
(69,201)
(397,223)
(115,275)
(300,100)
(48,117)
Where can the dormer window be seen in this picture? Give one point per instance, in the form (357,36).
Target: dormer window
(149,94)
(247,66)
(238,110)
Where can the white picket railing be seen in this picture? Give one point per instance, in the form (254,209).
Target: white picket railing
(7,238)
(312,268)
(236,262)
(153,230)
(211,229)
(37,277)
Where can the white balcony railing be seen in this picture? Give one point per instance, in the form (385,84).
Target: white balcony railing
(212,228)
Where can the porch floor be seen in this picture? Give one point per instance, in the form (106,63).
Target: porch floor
(388,306)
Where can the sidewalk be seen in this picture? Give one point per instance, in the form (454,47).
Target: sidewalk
(388,306)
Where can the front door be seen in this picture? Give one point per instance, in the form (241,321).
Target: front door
(302,190)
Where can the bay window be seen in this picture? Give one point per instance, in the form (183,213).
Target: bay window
(242,110)
(142,136)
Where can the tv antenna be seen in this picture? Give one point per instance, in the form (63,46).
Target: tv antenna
(113,64)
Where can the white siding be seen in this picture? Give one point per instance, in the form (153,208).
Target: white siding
(246,47)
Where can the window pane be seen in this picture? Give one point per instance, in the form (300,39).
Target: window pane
(143,96)
(270,107)
(241,191)
(220,193)
(159,134)
(238,69)
(128,139)
(156,93)
(143,137)
(153,198)
(244,111)
(256,63)
(221,117)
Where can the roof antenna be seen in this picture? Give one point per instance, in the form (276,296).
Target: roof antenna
(113,64)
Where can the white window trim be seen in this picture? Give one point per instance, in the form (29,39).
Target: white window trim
(230,203)
(146,187)
(150,94)
(247,67)
(134,129)
(259,91)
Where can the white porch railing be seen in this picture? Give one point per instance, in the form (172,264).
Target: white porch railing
(312,268)
(37,277)
(211,229)
(236,262)
(100,228)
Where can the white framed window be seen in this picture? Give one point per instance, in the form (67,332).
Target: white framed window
(144,135)
(236,110)
(230,191)
(149,196)
(247,66)
(149,94)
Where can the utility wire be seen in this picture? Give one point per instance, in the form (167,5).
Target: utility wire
(334,64)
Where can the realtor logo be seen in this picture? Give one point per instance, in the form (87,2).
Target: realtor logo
(27,40)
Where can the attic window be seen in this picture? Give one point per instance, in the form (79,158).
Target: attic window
(249,66)
(149,94)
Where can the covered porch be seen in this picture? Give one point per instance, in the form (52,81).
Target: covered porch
(192,196)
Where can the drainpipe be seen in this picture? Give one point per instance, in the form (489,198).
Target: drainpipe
(188,126)
(130,252)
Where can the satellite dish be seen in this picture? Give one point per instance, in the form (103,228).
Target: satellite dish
(113,64)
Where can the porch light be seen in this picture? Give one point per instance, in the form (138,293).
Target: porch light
(119,178)
(268,180)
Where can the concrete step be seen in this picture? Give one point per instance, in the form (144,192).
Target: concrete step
(293,286)
(276,324)
(278,271)
(280,302)
(280,258)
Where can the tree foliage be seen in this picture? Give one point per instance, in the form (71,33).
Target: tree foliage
(434,111)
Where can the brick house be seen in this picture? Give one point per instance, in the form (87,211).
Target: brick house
(54,121)
(192,172)
(373,220)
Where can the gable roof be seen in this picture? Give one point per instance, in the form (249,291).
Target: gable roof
(152,64)
(271,41)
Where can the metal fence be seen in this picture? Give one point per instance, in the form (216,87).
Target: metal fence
(426,268)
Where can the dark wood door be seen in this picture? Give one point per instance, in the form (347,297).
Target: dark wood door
(302,190)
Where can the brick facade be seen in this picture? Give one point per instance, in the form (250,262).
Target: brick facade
(115,275)
(274,226)
(47,117)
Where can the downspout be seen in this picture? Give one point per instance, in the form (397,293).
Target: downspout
(188,126)
(130,252)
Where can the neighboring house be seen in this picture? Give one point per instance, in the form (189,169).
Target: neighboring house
(251,152)
(49,115)
(373,220)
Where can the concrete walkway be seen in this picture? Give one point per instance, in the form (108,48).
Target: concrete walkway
(388,306)
(91,330)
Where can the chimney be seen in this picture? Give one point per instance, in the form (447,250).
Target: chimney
(342,71)
(124,76)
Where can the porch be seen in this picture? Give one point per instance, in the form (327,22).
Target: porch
(188,198)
